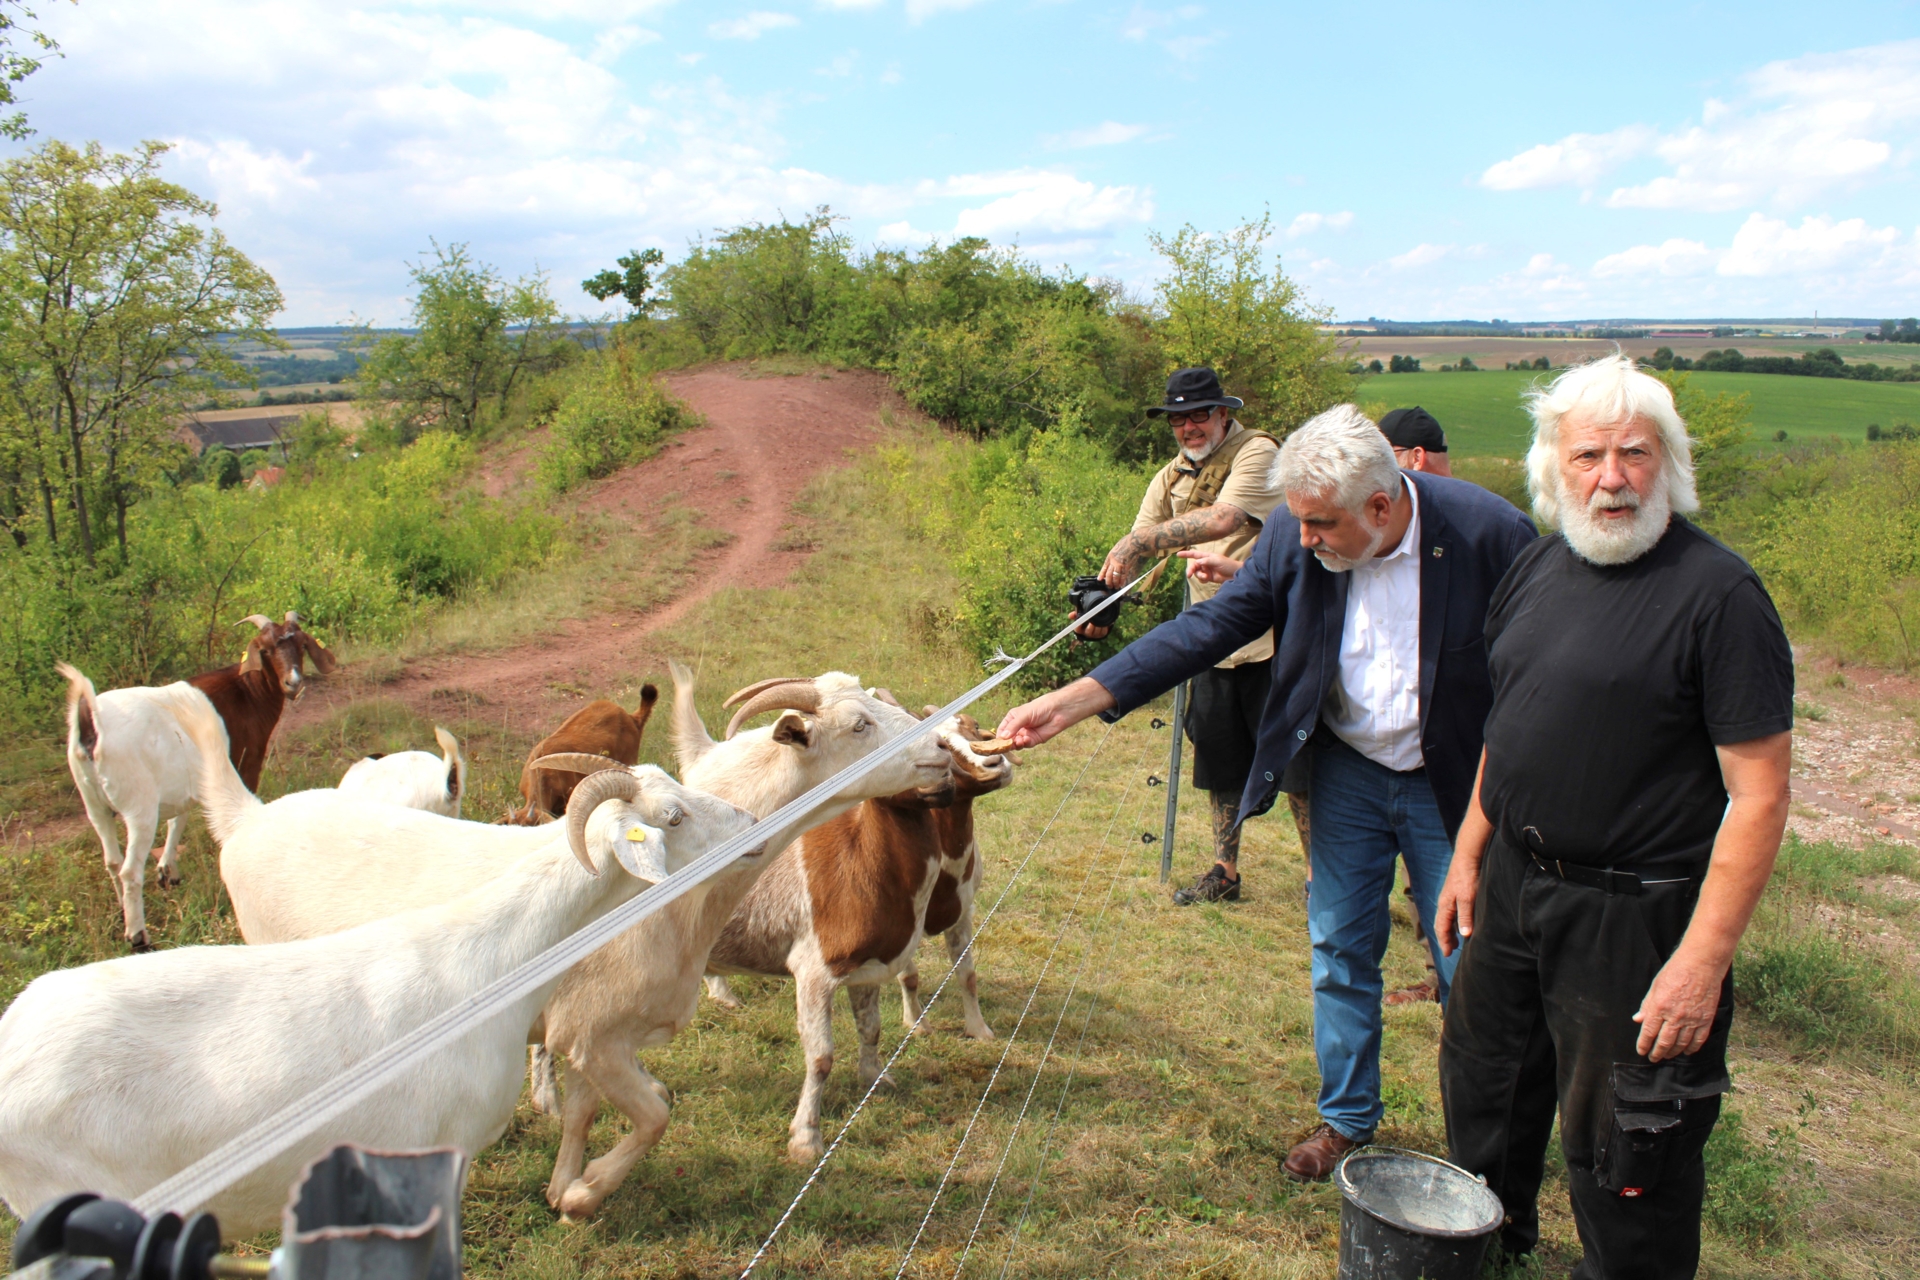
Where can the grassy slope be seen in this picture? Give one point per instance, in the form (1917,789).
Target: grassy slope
(1195,1074)
(1483,415)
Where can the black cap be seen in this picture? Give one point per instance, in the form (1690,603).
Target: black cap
(1413,428)
(1190,389)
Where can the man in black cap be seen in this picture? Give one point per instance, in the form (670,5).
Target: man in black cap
(1214,497)
(1418,442)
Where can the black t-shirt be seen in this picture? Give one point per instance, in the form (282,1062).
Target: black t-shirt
(1612,684)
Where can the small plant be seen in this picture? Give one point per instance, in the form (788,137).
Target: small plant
(1813,984)
(1808,711)
(1757,1189)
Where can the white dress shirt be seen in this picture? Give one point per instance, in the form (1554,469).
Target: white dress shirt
(1375,709)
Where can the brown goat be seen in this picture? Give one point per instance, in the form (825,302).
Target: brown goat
(601,728)
(250,694)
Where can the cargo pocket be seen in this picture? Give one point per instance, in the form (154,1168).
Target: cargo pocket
(1654,1105)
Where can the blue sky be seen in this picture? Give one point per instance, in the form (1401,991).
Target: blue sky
(1418,161)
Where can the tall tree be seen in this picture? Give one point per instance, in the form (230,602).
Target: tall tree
(16,64)
(1219,306)
(475,335)
(117,300)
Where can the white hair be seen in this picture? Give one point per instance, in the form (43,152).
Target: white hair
(1608,391)
(1340,453)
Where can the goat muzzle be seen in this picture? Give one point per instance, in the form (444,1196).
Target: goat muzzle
(616,783)
(782,695)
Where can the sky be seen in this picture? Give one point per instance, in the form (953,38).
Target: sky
(1418,162)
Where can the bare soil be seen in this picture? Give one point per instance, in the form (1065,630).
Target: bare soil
(1856,756)
(764,438)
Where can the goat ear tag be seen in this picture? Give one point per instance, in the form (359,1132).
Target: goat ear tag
(644,854)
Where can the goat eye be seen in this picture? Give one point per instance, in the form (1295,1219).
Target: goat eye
(860,725)
(674,816)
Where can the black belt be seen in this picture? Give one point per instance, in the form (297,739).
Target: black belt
(1612,879)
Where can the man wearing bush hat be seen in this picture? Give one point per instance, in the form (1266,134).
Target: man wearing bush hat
(1214,497)
(1629,805)
(1375,583)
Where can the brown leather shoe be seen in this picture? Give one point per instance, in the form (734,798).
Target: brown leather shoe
(1314,1156)
(1425,991)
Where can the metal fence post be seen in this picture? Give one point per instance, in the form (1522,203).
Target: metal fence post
(1173,761)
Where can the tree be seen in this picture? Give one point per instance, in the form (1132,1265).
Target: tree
(631,282)
(1218,306)
(16,66)
(1403,364)
(117,301)
(475,336)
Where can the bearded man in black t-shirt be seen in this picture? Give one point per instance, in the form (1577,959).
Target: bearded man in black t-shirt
(1632,795)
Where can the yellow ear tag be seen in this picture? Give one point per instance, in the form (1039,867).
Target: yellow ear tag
(638,835)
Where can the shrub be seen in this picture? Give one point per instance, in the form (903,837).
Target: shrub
(1757,1190)
(1046,514)
(612,417)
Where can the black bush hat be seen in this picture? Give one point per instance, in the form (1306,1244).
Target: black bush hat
(1413,428)
(1190,389)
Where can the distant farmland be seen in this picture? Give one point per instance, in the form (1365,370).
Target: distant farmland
(1483,415)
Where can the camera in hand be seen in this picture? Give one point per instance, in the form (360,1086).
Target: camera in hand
(1087,594)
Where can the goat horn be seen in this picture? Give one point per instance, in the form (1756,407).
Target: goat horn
(788,695)
(577,762)
(608,784)
(886,696)
(741,695)
(259,620)
(293,617)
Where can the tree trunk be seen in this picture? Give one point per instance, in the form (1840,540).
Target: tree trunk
(79,482)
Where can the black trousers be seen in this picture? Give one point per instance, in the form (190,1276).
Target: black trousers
(1223,723)
(1542,1017)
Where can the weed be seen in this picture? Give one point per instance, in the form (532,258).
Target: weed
(1757,1189)
(1808,711)
(1812,984)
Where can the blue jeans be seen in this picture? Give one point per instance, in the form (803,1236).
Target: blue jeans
(1364,816)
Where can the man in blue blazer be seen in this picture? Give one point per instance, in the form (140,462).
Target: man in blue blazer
(1375,583)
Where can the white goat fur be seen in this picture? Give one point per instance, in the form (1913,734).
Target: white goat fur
(117,1075)
(142,769)
(413,779)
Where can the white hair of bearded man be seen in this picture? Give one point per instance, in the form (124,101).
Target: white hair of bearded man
(1605,392)
(1598,540)
(1339,454)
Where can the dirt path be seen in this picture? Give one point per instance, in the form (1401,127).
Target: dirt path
(765,437)
(1856,756)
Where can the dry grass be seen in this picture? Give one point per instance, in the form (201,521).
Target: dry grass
(1194,1074)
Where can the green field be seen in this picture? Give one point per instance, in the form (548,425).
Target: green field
(1483,415)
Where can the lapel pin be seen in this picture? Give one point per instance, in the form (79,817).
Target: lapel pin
(1438,552)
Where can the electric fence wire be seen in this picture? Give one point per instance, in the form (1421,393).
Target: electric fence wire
(1059,1106)
(907,1037)
(1066,1002)
(1073,912)
(247,1152)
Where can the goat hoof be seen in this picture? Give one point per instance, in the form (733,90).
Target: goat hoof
(805,1150)
(139,942)
(169,880)
(579,1203)
(981,1032)
(877,1080)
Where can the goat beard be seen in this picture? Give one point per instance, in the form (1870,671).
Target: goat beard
(1336,563)
(1598,540)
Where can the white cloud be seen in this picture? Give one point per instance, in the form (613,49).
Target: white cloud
(1670,258)
(1421,255)
(840,66)
(1579,159)
(1108,133)
(1803,126)
(234,166)
(1769,247)
(1042,200)
(921,10)
(850,4)
(614,41)
(1306,224)
(751,27)
(1143,22)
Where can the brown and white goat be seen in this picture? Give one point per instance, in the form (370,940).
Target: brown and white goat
(130,760)
(848,907)
(601,728)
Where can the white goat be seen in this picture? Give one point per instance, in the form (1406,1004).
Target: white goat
(117,1075)
(413,779)
(129,758)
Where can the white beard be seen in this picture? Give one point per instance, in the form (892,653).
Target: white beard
(1340,564)
(1598,540)
(1204,454)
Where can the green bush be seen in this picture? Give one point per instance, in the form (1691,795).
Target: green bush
(1809,982)
(1045,514)
(613,416)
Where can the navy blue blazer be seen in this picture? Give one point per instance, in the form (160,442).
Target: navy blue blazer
(1468,538)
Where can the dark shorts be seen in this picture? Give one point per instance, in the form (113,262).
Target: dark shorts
(1223,723)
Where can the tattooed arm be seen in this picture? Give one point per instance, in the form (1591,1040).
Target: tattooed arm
(1131,553)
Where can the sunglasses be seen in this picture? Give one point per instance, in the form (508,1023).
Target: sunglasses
(1194,415)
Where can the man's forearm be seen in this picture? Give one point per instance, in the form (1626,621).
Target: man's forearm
(1743,857)
(1208,524)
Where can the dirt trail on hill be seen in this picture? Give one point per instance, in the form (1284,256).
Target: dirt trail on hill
(764,438)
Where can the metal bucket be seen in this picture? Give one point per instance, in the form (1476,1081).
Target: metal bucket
(1408,1216)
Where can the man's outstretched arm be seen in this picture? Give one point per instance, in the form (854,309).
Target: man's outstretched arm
(1131,553)
(1052,714)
